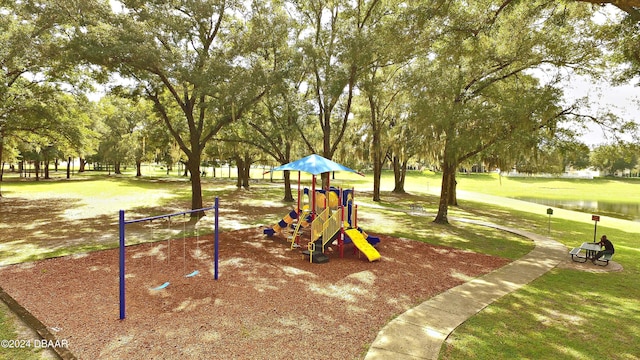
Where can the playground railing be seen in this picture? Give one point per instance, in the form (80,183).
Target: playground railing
(317,224)
(330,228)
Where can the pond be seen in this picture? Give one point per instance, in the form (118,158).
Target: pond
(625,211)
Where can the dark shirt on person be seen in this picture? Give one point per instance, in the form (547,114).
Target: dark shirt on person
(607,245)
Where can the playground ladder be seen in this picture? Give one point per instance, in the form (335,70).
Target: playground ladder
(301,218)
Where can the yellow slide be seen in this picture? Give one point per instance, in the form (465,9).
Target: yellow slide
(363,245)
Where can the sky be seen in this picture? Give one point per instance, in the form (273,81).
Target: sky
(624,101)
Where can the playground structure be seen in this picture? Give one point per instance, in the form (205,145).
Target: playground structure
(122,225)
(329,213)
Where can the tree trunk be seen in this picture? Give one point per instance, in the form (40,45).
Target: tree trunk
(82,165)
(325,180)
(453,185)
(376,148)
(138,168)
(377,175)
(377,165)
(288,196)
(1,162)
(46,170)
(247,171)
(240,167)
(36,166)
(193,166)
(116,168)
(1,170)
(326,146)
(399,173)
(448,178)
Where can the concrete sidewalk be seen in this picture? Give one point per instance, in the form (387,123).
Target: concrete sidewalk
(420,332)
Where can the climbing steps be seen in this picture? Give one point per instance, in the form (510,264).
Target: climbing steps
(296,232)
(316,256)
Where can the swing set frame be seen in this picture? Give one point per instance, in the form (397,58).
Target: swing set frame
(122,224)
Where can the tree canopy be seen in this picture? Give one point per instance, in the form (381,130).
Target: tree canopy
(447,82)
(202,64)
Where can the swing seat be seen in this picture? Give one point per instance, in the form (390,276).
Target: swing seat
(194,273)
(161,286)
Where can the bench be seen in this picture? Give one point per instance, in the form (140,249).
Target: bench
(575,255)
(604,260)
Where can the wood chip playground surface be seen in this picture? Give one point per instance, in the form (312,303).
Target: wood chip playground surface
(268,302)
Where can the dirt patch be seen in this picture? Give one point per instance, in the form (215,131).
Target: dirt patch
(268,302)
(589,266)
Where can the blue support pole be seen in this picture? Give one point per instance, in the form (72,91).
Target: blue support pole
(122,272)
(215,242)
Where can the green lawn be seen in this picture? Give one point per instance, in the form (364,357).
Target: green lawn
(623,190)
(556,316)
(8,331)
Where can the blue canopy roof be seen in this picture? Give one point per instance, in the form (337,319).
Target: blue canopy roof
(314,164)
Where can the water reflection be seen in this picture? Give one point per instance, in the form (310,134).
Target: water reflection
(617,210)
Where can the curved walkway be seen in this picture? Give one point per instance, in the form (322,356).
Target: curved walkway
(420,332)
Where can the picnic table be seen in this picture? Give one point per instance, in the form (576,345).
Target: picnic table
(588,250)
(585,251)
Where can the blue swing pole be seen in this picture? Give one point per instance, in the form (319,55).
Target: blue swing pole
(122,272)
(215,241)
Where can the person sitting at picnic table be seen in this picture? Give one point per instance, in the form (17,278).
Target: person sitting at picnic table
(608,248)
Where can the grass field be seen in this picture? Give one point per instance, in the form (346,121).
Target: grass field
(562,315)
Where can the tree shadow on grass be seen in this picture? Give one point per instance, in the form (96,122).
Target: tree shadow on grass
(39,228)
(398,216)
